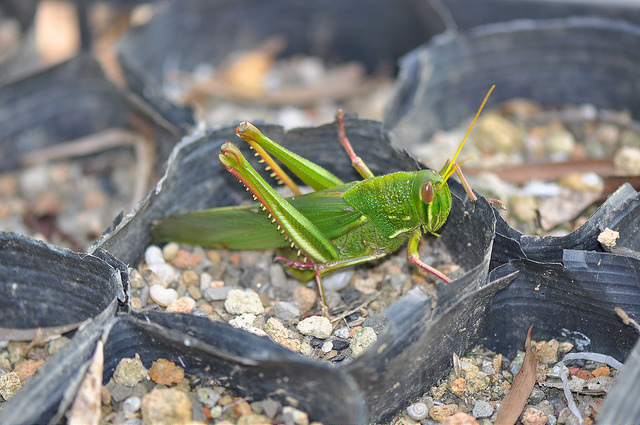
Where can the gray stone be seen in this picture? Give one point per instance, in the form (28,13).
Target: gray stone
(285,311)
(118,392)
(362,339)
(207,395)
(271,407)
(482,409)
(537,395)
(377,322)
(338,280)
(547,407)
(217,294)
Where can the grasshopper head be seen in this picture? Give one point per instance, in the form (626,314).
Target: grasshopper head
(432,199)
(430,189)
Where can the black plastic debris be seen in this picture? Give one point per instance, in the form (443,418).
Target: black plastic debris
(254,366)
(184,34)
(43,286)
(70,101)
(45,291)
(469,13)
(553,62)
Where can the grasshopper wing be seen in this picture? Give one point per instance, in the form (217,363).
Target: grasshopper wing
(241,227)
(248,227)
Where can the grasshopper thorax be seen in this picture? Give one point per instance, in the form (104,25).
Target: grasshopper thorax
(432,199)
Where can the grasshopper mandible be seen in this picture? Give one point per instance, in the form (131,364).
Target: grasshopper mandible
(338,225)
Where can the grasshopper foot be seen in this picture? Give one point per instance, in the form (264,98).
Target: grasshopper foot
(497,202)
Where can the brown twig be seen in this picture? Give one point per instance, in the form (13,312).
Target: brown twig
(99,142)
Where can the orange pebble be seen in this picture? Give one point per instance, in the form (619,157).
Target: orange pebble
(186,260)
(458,386)
(602,371)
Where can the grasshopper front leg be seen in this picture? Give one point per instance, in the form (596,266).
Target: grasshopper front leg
(414,257)
(301,232)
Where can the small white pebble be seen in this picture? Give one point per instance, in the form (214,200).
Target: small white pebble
(153,255)
(170,251)
(608,237)
(205,281)
(244,321)
(162,296)
(327,346)
(295,416)
(338,280)
(342,333)
(165,274)
(131,405)
(243,302)
(317,326)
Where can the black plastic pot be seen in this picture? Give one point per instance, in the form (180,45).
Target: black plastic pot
(253,365)
(553,62)
(469,13)
(56,290)
(72,100)
(184,34)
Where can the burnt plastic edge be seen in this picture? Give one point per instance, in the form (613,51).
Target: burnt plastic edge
(251,364)
(47,395)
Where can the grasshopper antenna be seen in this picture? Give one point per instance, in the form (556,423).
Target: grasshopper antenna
(450,168)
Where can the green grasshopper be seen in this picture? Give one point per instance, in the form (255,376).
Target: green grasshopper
(338,225)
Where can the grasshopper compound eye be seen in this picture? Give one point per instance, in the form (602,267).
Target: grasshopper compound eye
(427,192)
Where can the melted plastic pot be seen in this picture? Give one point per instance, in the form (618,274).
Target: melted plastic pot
(470,13)
(255,366)
(184,34)
(72,100)
(553,62)
(46,290)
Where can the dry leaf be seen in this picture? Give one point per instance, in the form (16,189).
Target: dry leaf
(86,407)
(523,383)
